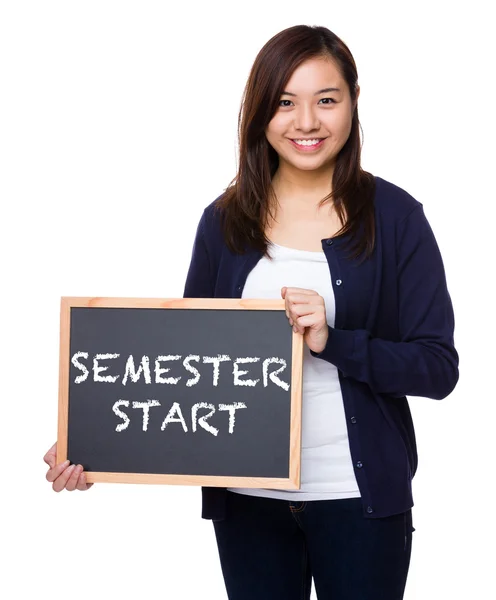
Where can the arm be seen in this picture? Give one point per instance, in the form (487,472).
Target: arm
(199,278)
(425,361)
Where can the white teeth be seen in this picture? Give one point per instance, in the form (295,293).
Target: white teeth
(306,142)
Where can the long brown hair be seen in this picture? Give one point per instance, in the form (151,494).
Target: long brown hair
(246,203)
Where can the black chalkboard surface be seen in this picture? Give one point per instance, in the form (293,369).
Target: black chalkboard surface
(181,391)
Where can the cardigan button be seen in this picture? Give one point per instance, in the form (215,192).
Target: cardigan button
(329,242)
(238,288)
(359,464)
(338,282)
(370,509)
(353,419)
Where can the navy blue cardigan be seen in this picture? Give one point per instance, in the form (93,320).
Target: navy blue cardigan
(393,337)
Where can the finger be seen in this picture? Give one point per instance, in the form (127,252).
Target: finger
(72,482)
(297,290)
(295,298)
(287,304)
(294,324)
(51,456)
(298,310)
(61,481)
(292,300)
(307,321)
(317,311)
(300,304)
(52,474)
(82,484)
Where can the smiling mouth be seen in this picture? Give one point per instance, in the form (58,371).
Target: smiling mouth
(308,147)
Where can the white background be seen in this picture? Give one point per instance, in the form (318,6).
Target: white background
(118,126)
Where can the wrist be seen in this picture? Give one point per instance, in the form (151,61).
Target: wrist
(321,347)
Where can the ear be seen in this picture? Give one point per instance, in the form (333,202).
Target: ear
(357,94)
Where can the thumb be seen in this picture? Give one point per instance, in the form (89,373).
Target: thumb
(50,456)
(283,292)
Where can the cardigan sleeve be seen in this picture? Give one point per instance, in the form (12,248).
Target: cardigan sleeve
(424,362)
(199,282)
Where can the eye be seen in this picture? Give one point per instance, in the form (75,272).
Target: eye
(331,101)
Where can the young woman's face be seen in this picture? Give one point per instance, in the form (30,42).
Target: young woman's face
(307,112)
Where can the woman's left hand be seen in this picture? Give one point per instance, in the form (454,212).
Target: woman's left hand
(306,312)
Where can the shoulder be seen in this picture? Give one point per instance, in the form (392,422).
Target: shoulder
(402,220)
(211,213)
(392,201)
(210,228)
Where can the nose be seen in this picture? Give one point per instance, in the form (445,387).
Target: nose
(306,119)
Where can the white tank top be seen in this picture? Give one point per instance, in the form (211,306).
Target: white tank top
(326,466)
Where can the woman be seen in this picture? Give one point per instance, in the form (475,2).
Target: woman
(358,266)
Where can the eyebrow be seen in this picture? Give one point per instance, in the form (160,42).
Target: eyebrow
(325,90)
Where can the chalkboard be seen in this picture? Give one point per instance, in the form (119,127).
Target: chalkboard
(189,391)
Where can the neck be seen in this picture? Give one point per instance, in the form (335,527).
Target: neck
(304,187)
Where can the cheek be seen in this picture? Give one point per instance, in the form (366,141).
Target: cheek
(347,127)
(276,128)
(339,125)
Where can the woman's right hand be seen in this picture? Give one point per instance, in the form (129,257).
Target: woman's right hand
(64,475)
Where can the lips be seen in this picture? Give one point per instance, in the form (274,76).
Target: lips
(305,139)
(307,148)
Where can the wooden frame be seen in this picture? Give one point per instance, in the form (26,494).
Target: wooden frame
(292,482)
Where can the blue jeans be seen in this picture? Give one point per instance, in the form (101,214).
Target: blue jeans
(270,549)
